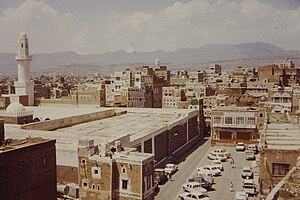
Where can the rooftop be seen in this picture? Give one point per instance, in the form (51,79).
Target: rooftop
(13,144)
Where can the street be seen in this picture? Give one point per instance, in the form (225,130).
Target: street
(221,188)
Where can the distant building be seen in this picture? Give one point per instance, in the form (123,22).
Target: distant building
(236,124)
(28,168)
(114,174)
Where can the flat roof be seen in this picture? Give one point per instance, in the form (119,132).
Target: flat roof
(14,144)
(283,136)
(137,123)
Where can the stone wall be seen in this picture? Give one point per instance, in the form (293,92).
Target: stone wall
(68,121)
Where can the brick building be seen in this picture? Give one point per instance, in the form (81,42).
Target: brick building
(283,74)
(111,175)
(28,168)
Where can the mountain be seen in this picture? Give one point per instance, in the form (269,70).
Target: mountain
(184,57)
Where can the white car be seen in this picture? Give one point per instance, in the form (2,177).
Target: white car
(171,168)
(194,187)
(249,187)
(241,196)
(213,169)
(247,172)
(222,151)
(193,196)
(253,147)
(250,155)
(218,164)
(216,156)
(240,146)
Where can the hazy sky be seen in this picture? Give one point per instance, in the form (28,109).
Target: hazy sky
(96,26)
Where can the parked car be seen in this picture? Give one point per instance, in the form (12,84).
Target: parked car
(160,175)
(223,151)
(249,187)
(250,155)
(247,172)
(241,196)
(193,196)
(253,147)
(240,146)
(218,164)
(171,168)
(194,187)
(207,176)
(216,156)
(213,169)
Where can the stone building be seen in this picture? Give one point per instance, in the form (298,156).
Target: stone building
(140,97)
(28,168)
(115,174)
(174,98)
(283,74)
(236,124)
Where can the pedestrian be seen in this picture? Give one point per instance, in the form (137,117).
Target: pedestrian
(231,187)
(232,163)
(168,176)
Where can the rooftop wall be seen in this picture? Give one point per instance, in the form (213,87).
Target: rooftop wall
(68,121)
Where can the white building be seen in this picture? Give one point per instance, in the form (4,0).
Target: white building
(24,86)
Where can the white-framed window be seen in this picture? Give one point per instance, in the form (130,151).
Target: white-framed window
(228,120)
(251,120)
(96,172)
(217,120)
(240,120)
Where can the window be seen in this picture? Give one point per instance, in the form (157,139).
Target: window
(217,120)
(148,182)
(82,161)
(85,184)
(251,121)
(280,169)
(261,115)
(240,120)
(228,120)
(124,184)
(96,172)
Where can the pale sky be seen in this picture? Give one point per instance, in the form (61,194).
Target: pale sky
(97,26)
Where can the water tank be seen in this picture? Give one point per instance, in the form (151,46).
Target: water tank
(62,189)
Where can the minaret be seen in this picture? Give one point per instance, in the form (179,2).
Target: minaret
(24,86)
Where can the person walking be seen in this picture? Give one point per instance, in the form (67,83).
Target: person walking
(231,187)
(232,163)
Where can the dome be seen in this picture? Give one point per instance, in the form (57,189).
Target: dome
(15,107)
(22,35)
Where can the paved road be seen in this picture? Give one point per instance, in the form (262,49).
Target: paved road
(221,188)
(169,191)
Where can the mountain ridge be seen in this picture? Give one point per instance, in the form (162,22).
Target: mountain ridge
(179,57)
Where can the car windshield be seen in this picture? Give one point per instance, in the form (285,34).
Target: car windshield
(240,144)
(213,168)
(216,162)
(248,186)
(201,196)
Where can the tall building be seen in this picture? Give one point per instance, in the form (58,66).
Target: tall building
(24,86)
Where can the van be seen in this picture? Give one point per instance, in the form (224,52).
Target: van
(249,187)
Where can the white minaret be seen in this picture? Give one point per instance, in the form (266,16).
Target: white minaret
(24,86)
